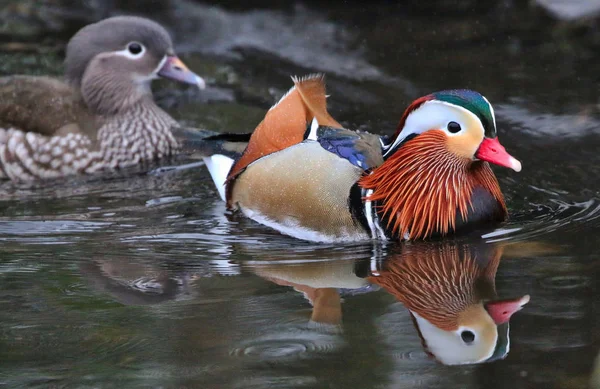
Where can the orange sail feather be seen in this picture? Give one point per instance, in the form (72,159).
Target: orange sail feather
(285,123)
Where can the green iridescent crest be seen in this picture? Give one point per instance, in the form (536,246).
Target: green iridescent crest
(474,102)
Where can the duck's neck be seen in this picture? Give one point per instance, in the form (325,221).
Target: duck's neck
(142,133)
(423,190)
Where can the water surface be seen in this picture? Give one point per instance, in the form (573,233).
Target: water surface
(146,281)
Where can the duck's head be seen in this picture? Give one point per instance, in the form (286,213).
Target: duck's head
(463,120)
(113,62)
(449,290)
(435,177)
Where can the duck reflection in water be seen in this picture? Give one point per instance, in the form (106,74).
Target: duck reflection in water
(137,282)
(448,288)
(450,293)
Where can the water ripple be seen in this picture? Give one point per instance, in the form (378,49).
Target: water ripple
(28,227)
(544,219)
(286,381)
(566,282)
(281,348)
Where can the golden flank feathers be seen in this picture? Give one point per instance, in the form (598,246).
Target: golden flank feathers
(285,123)
(418,186)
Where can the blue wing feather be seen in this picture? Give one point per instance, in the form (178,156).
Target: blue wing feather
(343,143)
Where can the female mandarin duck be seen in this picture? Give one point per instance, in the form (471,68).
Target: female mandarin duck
(104,116)
(304,175)
(448,288)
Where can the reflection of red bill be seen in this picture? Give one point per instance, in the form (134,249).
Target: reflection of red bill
(502,310)
(176,70)
(492,151)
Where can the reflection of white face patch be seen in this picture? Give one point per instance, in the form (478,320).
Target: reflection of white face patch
(448,347)
(435,115)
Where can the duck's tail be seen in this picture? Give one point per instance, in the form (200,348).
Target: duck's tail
(204,143)
(219,151)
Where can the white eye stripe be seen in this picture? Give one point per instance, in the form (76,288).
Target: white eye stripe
(450,133)
(434,114)
(128,54)
(491,110)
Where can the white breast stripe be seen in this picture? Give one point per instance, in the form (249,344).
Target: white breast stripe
(376,231)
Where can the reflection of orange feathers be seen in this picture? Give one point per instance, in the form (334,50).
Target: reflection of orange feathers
(285,123)
(439,281)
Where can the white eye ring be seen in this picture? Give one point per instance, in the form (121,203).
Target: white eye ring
(454,127)
(134,50)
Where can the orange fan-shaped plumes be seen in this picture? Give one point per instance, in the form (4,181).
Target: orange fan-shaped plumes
(422,186)
(285,123)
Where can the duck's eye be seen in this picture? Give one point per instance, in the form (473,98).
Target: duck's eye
(135,48)
(454,127)
(467,336)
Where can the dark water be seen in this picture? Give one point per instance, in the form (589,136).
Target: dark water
(145,281)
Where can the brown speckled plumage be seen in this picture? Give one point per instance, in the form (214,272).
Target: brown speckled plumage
(139,135)
(103,118)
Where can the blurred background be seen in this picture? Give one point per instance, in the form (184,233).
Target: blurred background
(62,323)
(520,44)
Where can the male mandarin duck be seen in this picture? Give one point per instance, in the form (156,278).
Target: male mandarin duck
(103,116)
(306,176)
(448,288)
